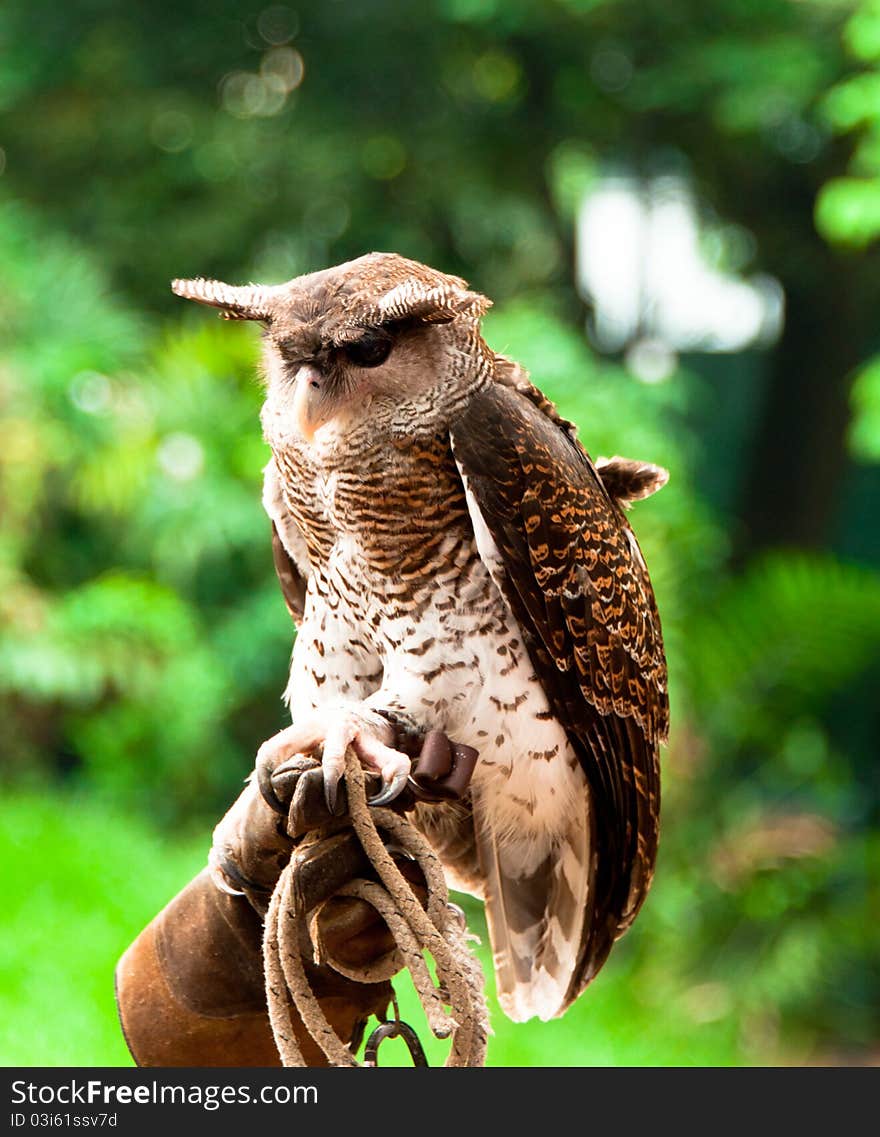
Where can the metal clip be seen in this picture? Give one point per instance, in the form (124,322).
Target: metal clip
(394,1029)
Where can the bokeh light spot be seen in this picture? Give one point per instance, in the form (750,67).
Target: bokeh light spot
(327,217)
(284,67)
(243,94)
(496,76)
(708,1002)
(90,392)
(611,69)
(171,131)
(248,95)
(383,157)
(216,161)
(651,360)
(181,457)
(278,24)
(796,139)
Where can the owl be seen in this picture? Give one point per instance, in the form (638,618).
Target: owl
(454,560)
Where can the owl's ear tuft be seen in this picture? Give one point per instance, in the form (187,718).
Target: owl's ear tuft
(429,304)
(245,302)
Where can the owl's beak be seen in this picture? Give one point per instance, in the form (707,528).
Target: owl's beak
(310,402)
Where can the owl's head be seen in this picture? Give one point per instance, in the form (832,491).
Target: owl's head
(362,345)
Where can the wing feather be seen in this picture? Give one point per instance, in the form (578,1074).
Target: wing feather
(570,568)
(289,552)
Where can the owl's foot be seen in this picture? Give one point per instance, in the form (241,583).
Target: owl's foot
(333,731)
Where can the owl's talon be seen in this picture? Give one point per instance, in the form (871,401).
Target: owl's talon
(333,767)
(332,778)
(291,765)
(332,734)
(218,877)
(390,789)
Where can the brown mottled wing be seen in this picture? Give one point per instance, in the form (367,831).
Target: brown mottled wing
(576,581)
(289,550)
(293,587)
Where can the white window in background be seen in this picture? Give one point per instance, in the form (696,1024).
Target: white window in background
(643,266)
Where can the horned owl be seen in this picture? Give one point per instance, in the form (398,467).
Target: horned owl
(454,560)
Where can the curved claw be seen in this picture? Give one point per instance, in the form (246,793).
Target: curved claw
(390,790)
(457,914)
(265,768)
(332,778)
(293,764)
(218,877)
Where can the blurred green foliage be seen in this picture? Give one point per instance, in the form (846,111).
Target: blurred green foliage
(848,208)
(86,880)
(144,642)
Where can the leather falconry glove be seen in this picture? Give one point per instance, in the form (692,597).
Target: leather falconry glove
(190,989)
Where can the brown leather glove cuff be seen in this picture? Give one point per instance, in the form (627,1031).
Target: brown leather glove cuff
(190,988)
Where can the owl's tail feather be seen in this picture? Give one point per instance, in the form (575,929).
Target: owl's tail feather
(537,912)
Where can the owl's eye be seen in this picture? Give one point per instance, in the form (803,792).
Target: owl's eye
(370,350)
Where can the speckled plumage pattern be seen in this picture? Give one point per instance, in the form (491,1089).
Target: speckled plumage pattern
(452,557)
